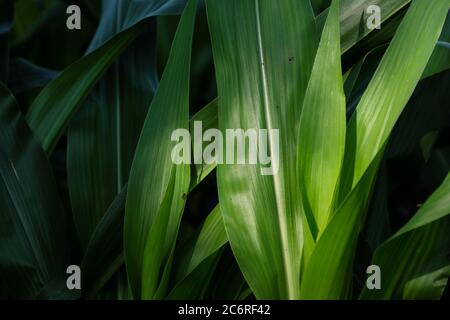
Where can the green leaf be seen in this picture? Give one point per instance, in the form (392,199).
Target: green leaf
(398,258)
(104,253)
(209,239)
(208,118)
(425,115)
(440,60)
(354,18)
(427,287)
(119,15)
(263,53)
(328,273)
(361,75)
(391,87)
(198,257)
(32,241)
(320,153)
(108,125)
(157,187)
(195,284)
(320,5)
(59,100)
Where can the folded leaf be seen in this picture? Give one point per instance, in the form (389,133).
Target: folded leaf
(328,273)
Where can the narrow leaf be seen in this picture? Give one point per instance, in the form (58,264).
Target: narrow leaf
(322,126)
(32,240)
(157,187)
(391,87)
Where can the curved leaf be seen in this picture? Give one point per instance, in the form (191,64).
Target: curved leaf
(32,240)
(354,16)
(322,127)
(391,87)
(59,100)
(157,187)
(328,272)
(104,253)
(427,233)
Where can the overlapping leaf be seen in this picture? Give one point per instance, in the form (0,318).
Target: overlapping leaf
(427,233)
(157,187)
(322,127)
(354,17)
(32,246)
(391,87)
(104,253)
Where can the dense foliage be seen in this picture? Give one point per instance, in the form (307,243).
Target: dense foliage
(87,176)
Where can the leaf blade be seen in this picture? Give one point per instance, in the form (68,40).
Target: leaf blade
(157,187)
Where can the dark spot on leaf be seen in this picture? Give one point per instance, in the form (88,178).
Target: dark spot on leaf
(291,59)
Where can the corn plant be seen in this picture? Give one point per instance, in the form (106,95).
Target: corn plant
(355,117)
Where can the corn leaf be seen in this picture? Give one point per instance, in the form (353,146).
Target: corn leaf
(430,286)
(209,239)
(58,102)
(208,118)
(354,17)
(104,253)
(157,187)
(195,284)
(32,232)
(110,121)
(391,87)
(263,53)
(322,127)
(198,258)
(320,5)
(427,233)
(440,60)
(328,272)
